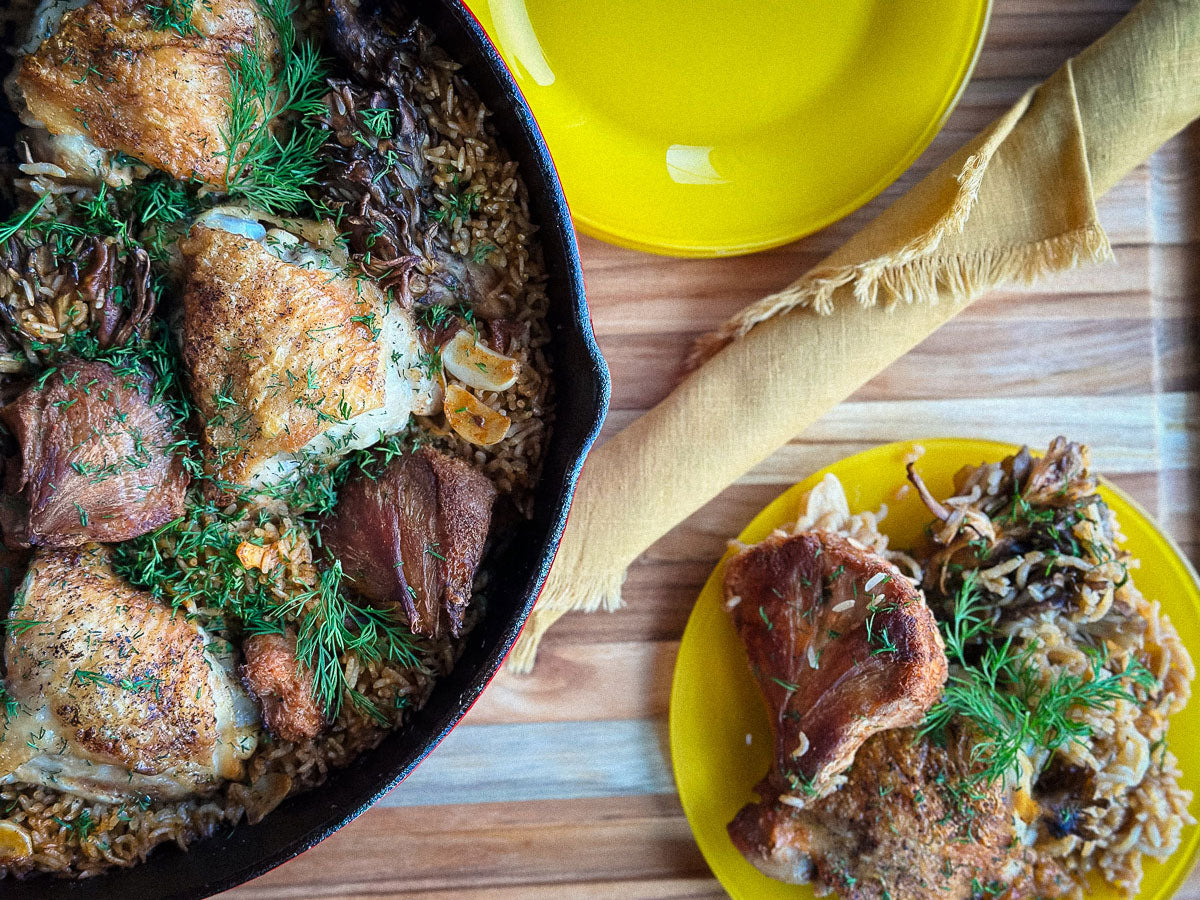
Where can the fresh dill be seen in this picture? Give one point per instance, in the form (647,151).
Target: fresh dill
(995,687)
(457,206)
(379,121)
(20,221)
(173,15)
(8,703)
(272,138)
(331,625)
(81,825)
(430,362)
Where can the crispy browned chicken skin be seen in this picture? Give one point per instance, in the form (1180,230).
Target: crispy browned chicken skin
(119,695)
(412,537)
(905,826)
(277,355)
(160,95)
(842,646)
(273,674)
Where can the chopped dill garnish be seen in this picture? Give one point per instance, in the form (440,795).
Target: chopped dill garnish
(8,703)
(430,362)
(81,825)
(20,626)
(459,205)
(174,15)
(379,121)
(20,221)
(1000,693)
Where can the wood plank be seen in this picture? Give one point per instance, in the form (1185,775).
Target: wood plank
(631,670)
(574,760)
(491,846)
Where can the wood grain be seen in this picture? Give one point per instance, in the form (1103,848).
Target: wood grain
(576,752)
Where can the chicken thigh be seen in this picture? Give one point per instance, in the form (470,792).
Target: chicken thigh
(288,357)
(118,695)
(117,76)
(909,824)
(842,645)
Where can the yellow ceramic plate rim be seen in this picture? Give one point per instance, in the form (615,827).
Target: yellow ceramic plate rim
(633,237)
(695,660)
(633,241)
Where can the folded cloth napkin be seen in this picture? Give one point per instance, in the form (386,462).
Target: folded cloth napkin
(1016,202)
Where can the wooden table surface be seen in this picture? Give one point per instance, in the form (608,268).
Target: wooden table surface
(558,784)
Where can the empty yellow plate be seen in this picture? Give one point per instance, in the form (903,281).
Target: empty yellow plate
(714,127)
(720,735)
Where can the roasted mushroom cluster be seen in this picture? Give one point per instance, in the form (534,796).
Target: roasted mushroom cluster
(272,381)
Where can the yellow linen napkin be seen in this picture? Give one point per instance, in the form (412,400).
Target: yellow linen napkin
(1016,202)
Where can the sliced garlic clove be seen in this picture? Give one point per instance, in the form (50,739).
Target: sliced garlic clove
(478,365)
(473,419)
(15,842)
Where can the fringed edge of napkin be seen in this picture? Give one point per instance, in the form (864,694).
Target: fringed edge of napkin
(914,273)
(560,596)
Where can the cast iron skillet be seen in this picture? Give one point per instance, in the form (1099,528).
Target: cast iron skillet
(581,385)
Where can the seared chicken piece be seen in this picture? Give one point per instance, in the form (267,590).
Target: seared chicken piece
(289,358)
(119,696)
(843,647)
(412,537)
(95,459)
(273,674)
(907,825)
(112,76)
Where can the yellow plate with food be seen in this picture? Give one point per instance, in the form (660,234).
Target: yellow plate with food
(952,681)
(708,128)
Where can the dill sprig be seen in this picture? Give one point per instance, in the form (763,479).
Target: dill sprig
(20,221)
(331,625)
(271,172)
(8,703)
(994,687)
(458,205)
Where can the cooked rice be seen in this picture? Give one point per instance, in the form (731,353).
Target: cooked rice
(466,160)
(1060,606)
(78,838)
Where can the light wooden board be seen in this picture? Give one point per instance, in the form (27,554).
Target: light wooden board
(558,784)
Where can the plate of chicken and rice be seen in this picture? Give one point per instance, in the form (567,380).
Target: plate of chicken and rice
(296,377)
(944,669)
